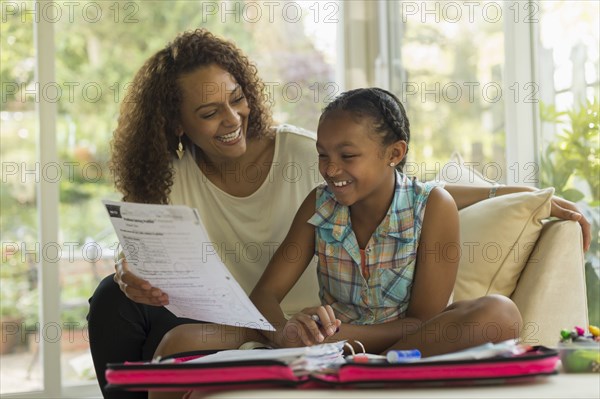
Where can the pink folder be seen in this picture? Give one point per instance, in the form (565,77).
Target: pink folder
(179,375)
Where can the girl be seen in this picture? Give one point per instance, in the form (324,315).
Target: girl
(387,246)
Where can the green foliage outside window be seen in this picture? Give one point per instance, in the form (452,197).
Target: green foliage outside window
(575,153)
(571,164)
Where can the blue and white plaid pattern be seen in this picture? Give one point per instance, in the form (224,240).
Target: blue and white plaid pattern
(390,255)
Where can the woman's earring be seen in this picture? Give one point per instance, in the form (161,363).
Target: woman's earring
(180,149)
(392,164)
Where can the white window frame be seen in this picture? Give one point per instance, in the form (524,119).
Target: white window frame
(521,118)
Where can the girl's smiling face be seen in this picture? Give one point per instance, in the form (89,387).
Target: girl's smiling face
(353,160)
(214,112)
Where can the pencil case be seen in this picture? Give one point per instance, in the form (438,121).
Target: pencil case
(178,375)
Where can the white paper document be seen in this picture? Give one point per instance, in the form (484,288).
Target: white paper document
(168,246)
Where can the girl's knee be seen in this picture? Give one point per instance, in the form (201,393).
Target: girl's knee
(492,313)
(502,306)
(503,313)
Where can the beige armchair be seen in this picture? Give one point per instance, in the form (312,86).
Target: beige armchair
(551,292)
(510,248)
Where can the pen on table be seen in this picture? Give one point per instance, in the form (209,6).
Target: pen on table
(403,356)
(318,321)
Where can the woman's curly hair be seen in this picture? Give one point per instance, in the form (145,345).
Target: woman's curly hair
(145,140)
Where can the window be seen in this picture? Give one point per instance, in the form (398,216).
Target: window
(447,68)
(569,142)
(98,46)
(21,173)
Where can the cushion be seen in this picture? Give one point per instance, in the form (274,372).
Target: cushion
(497,237)
(457,171)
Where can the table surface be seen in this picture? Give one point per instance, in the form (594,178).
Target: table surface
(556,386)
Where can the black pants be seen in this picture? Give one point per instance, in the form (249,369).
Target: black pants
(122,330)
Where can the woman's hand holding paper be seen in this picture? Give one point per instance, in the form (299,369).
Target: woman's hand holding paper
(137,289)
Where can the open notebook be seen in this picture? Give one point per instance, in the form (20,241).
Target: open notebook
(302,361)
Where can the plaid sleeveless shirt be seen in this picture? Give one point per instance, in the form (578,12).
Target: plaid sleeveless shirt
(379,291)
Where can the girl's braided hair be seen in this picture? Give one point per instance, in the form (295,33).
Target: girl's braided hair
(384,108)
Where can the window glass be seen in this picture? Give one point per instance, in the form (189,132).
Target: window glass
(568,70)
(19,305)
(447,63)
(99,47)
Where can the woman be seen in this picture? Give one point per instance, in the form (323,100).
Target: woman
(194,130)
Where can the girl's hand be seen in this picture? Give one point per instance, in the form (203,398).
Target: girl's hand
(563,209)
(137,289)
(309,327)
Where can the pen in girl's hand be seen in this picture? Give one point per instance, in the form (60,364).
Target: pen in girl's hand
(318,321)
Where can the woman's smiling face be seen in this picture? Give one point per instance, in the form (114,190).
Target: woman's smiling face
(214,112)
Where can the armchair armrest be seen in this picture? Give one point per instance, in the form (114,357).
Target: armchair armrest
(551,291)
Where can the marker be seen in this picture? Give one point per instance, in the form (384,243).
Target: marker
(366,358)
(405,356)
